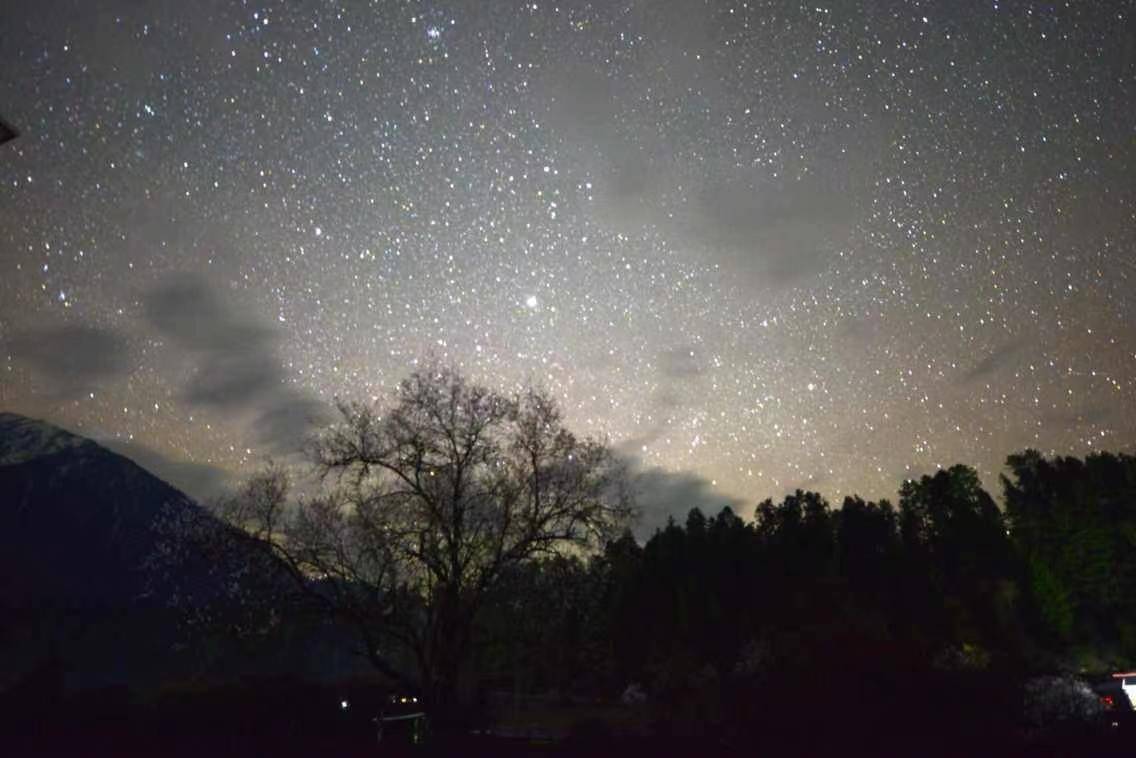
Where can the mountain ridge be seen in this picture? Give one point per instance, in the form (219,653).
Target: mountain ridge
(23,438)
(99,569)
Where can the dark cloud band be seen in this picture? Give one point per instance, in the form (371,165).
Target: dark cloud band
(72,358)
(238,366)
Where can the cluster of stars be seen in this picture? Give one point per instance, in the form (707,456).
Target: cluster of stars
(775,244)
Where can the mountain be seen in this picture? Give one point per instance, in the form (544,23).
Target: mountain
(88,579)
(76,520)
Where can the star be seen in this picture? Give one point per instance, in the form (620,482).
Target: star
(834,246)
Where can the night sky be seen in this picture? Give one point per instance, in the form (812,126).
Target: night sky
(760,245)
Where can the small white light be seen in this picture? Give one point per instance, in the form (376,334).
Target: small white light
(344,705)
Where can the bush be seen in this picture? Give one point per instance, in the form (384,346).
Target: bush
(1060,701)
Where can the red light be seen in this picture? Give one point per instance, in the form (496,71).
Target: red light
(1106,701)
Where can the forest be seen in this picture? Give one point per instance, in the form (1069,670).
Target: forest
(484,558)
(460,549)
(822,601)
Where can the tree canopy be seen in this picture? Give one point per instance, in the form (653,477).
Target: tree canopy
(457,528)
(428,500)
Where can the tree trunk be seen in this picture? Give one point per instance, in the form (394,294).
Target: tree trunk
(445,675)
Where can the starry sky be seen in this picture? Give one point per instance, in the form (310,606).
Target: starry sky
(760,245)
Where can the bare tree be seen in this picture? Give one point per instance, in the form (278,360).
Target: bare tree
(425,504)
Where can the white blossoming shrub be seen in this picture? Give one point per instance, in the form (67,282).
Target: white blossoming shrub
(1060,700)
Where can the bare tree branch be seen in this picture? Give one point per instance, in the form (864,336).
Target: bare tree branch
(429,501)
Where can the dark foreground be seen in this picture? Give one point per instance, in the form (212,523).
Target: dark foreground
(216,745)
(947,717)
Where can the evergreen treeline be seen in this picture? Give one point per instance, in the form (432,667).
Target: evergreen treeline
(944,581)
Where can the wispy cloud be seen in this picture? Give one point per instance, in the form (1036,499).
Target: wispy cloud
(1004,355)
(71,358)
(238,367)
(660,494)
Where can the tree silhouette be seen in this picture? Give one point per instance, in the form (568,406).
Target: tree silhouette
(955,538)
(429,503)
(868,548)
(1074,524)
(441,537)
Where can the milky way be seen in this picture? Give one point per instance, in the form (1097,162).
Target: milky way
(760,245)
